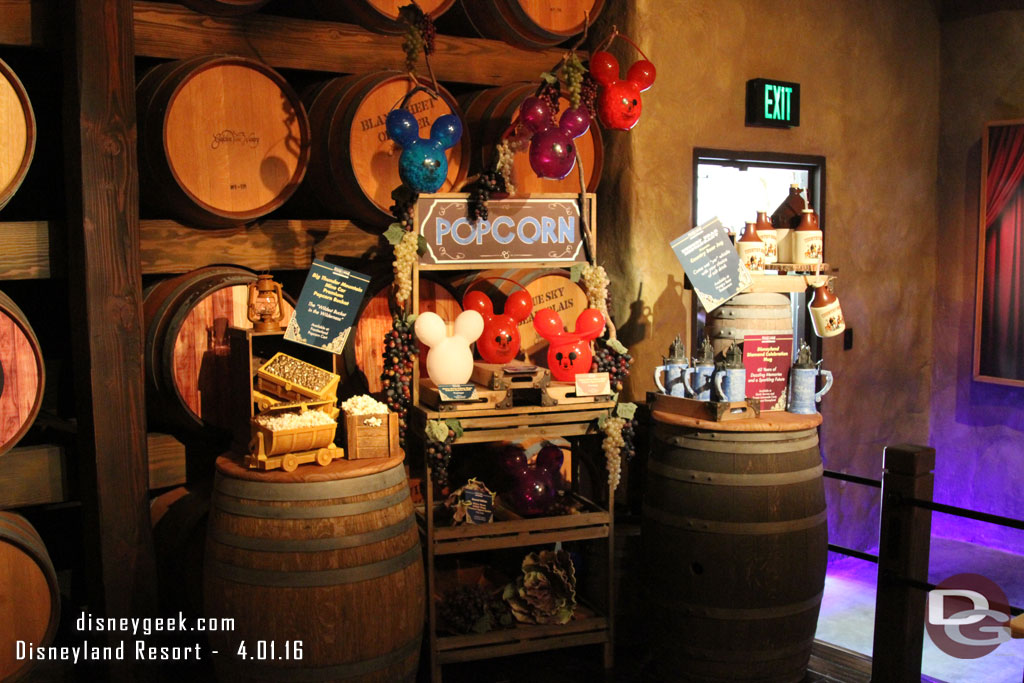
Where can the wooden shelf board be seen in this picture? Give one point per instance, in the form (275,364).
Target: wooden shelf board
(174,32)
(26,247)
(519,540)
(516,526)
(38,475)
(784,284)
(534,412)
(170,247)
(522,639)
(28,23)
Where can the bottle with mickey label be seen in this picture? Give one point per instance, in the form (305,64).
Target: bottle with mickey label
(751,249)
(826,314)
(806,240)
(767,234)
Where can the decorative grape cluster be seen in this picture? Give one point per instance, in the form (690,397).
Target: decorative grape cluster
(488,182)
(611,360)
(552,92)
(628,449)
(439,456)
(595,282)
(396,376)
(472,609)
(588,94)
(405,256)
(574,71)
(612,445)
(420,34)
(506,153)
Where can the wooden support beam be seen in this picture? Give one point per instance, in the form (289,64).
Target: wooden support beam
(28,22)
(174,32)
(106,307)
(170,247)
(903,543)
(26,250)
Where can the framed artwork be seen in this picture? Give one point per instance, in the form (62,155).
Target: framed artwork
(999,304)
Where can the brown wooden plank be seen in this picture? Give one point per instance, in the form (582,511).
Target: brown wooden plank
(174,32)
(166,461)
(33,475)
(521,632)
(106,302)
(520,540)
(533,645)
(170,247)
(516,526)
(26,247)
(489,435)
(28,22)
(512,412)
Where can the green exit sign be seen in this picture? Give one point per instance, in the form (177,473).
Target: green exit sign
(773,103)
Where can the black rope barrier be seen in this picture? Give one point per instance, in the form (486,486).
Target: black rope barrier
(853,478)
(962,512)
(925,586)
(843,550)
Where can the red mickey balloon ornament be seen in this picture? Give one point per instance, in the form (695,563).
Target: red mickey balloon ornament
(619,103)
(569,352)
(500,340)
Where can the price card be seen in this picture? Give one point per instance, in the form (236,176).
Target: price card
(456,392)
(711,263)
(327,307)
(767,359)
(593,384)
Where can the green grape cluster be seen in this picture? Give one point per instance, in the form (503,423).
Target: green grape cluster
(574,71)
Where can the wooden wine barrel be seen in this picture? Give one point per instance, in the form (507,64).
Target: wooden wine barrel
(22,374)
(378,15)
(353,164)
(222,140)
(179,537)
(30,608)
(18,142)
(488,114)
(375,322)
(329,556)
(746,314)
(224,8)
(532,24)
(735,547)
(186,353)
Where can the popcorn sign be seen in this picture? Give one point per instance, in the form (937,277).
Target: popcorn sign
(526,230)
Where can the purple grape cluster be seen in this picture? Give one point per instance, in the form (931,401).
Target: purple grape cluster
(396,376)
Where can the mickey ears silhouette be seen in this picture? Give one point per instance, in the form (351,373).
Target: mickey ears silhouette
(423,165)
(619,103)
(431,330)
(589,325)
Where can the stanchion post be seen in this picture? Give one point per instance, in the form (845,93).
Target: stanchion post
(904,539)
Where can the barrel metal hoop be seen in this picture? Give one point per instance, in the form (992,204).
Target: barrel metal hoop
(734,528)
(260,671)
(739,333)
(311,545)
(705,654)
(736,312)
(318,490)
(744,447)
(733,613)
(667,432)
(325,577)
(320,512)
(732,479)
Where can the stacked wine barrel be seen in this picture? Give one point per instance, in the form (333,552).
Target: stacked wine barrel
(22,374)
(18,123)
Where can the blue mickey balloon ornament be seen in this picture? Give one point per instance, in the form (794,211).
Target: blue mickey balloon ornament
(423,165)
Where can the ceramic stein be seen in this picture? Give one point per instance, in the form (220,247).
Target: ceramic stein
(802,396)
(730,384)
(673,370)
(700,386)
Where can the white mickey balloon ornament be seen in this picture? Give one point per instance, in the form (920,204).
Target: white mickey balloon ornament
(450,359)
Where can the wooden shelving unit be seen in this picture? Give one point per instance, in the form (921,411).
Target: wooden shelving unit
(577,422)
(108,248)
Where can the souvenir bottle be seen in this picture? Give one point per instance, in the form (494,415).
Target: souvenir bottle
(826,314)
(767,234)
(751,249)
(806,240)
(786,218)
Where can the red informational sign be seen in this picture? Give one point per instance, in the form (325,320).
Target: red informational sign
(767,359)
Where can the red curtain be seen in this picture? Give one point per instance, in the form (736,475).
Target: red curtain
(1002,335)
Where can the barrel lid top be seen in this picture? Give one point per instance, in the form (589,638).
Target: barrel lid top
(231,465)
(767,422)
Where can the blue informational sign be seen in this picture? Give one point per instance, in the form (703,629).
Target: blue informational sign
(711,263)
(326,310)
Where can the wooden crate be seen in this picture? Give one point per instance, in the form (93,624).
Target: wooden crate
(483,399)
(494,376)
(283,387)
(364,441)
(714,411)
